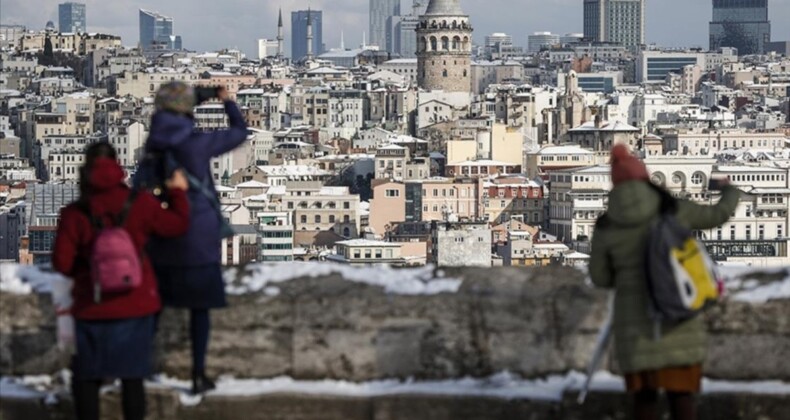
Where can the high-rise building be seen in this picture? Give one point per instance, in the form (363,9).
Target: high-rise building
(444,48)
(156,31)
(617,21)
(280,36)
(542,40)
(495,42)
(267,48)
(741,24)
(71,17)
(403,30)
(299,20)
(380,13)
(572,38)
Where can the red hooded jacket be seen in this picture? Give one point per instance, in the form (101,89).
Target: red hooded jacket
(75,237)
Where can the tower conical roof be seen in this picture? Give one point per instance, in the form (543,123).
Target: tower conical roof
(444,7)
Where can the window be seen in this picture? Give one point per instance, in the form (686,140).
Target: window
(367,254)
(392,193)
(357,254)
(318,218)
(378,253)
(303,219)
(346,205)
(331,218)
(748,233)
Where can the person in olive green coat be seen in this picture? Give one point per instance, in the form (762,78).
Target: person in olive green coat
(672,361)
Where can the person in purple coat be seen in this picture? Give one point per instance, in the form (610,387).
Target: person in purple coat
(188,267)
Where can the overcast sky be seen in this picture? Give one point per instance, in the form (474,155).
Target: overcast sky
(214,24)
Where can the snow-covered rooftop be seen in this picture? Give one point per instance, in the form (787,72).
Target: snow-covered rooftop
(252,184)
(605,126)
(367,242)
(564,150)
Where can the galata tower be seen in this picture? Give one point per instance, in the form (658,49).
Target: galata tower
(444,48)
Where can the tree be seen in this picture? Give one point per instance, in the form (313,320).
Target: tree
(48,58)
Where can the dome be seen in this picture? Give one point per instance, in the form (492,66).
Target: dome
(50,25)
(444,7)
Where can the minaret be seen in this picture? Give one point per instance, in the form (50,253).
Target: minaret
(280,37)
(444,48)
(309,35)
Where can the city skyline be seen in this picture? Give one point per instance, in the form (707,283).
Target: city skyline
(256,19)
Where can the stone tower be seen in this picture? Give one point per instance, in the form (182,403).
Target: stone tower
(444,48)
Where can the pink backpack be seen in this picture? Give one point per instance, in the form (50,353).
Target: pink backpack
(115,262)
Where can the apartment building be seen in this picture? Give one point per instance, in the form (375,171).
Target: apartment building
(460,244)
(363,252)
(276,236)
(578,197)
(319,208)
(711,141)
(387,207)
(513,197)
(541,162)
(441,198)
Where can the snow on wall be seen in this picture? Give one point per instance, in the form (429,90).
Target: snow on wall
(24,279)
(20,279)
(408,281)
(504,385)
(743,286)
(264,278)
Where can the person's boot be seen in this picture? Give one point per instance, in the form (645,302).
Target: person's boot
(201,383)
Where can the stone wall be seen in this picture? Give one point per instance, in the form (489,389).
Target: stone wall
(531,322)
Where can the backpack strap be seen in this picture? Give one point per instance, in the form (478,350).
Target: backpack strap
(127,206)
(669,204)
(97,222)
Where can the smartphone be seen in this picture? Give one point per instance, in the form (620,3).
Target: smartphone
(205,93)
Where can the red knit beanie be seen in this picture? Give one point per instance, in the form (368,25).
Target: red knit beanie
(626,167)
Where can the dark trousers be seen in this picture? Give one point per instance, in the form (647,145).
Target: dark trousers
(199,329)
(86,399)
(681,404)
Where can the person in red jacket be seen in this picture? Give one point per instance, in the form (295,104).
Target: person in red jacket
(114,335)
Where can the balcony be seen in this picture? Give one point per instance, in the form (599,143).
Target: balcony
(595,205)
